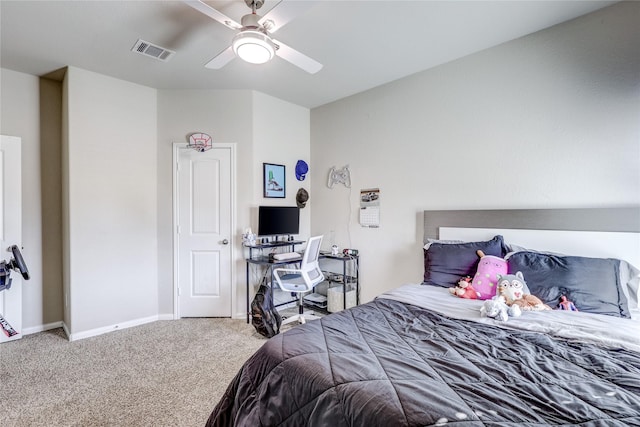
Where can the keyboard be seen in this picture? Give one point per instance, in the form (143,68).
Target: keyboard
(286,255)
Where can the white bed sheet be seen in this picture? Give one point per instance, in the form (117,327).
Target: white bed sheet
(604,330)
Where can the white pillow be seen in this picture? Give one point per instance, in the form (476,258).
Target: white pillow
(430,241)
(630,276)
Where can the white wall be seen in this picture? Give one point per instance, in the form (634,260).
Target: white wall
(549,120)
(112,202)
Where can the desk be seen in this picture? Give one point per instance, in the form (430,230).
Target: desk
(264,261)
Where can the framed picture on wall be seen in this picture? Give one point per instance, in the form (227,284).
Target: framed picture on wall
(273,180)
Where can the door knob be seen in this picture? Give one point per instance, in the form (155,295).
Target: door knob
(225,242)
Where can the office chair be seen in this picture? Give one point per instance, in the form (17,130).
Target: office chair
(301,280)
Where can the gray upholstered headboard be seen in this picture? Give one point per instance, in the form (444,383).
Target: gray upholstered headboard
(581,219)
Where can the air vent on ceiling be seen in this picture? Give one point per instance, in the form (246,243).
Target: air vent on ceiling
(149,49)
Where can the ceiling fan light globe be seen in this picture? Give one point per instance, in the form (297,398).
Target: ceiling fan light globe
(254,47)
(254,53)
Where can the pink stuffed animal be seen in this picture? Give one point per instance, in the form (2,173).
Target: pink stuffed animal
(486,279)
(464,289)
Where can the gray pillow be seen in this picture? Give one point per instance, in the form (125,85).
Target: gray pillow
(593,284)
(446,263)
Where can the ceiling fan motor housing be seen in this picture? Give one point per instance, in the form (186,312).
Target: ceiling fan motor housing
(251,21)
(254,3)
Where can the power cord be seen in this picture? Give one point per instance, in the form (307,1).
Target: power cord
(349,217)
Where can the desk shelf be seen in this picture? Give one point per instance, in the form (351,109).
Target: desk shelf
(332,277)
(291,243)
(344,273)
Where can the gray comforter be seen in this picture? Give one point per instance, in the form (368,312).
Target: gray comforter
(387,363)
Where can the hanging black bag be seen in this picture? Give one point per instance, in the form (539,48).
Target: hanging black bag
(264,316)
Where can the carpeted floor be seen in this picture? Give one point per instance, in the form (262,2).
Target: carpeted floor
(166,373)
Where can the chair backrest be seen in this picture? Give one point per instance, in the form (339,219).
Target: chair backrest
(302,279)
(309,262)
(312,252)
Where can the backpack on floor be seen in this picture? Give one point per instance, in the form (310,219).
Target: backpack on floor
(264,316)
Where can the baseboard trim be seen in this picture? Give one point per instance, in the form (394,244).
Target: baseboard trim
(103,330)
(66,330)
(42,328)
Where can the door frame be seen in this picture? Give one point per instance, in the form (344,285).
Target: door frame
(177,147)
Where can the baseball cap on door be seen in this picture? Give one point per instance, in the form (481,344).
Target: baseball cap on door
(301,198)
(301,170)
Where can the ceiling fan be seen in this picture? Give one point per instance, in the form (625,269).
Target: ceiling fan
(253,42)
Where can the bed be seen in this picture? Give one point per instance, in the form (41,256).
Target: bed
(418,356)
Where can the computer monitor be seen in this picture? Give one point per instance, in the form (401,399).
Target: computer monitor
(278,220)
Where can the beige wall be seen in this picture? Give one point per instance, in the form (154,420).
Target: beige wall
(112,203)
(226,116)
(281,136)
(549,120)
(264,129)
(51,199)
(30,109)
(116,169)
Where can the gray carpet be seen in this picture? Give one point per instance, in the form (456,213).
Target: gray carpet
(166,373)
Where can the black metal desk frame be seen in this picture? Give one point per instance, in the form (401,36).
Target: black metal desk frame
(263,260)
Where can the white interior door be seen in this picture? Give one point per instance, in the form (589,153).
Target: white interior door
(203,236)
(11,229)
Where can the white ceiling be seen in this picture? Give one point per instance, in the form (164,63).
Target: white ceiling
(362,44)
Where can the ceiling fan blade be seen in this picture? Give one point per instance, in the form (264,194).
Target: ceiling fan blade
(202,7)
(222,59)
(298,59)
(284,12)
